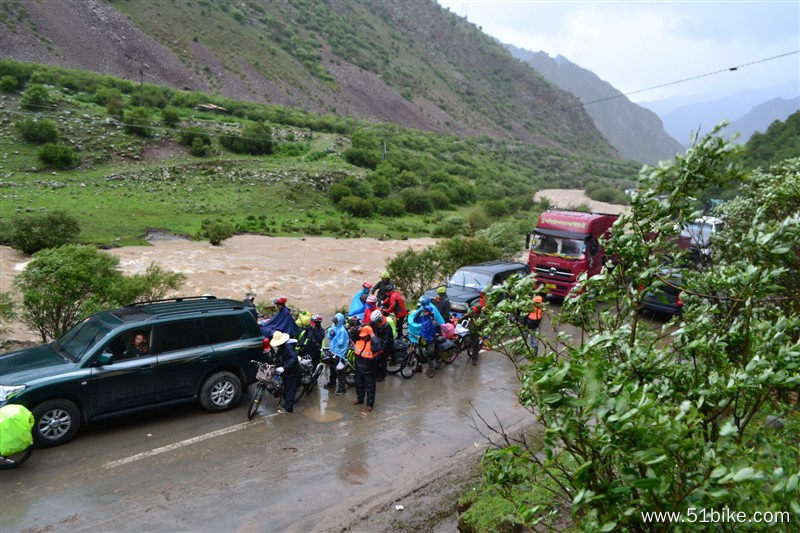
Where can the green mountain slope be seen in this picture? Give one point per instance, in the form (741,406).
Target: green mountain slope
(324,175)
(636,132)
(404,61)
(780,141)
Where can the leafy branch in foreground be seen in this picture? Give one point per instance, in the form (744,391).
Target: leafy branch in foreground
(642,418)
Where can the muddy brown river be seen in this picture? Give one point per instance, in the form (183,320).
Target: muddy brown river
(317,274)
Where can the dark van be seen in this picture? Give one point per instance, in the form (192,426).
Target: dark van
(137,357)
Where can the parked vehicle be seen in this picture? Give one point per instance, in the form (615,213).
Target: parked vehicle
(566,244)
(134,358)
(664,298)
(469,283)
(699,233)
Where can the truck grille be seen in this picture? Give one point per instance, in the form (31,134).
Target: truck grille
(553,272)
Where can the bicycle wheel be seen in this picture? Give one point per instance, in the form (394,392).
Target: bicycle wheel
(409,365)
(393,366)
(450,355)
(256,401)
(314,379)
(350,377)
(11,461)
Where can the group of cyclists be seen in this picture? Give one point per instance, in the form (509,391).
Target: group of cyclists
(375,320)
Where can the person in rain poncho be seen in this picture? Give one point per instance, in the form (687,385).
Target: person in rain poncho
(359,301)
(282,321)
(338,342)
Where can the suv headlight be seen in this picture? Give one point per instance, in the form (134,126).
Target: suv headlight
(9,391)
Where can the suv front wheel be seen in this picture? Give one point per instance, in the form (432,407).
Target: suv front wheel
(56,422)
(220,391)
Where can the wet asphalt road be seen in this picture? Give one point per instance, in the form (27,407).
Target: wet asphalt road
(188,470)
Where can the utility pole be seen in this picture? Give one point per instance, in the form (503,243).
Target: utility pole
(383,158)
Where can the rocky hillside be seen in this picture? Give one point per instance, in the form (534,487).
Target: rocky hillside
(404,61)
(636,132)
(762,115)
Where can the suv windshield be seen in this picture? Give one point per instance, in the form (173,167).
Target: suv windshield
(547,244)
(77,341)
(468,278)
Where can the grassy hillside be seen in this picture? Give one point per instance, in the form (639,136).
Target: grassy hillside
(122,184)
(404,61)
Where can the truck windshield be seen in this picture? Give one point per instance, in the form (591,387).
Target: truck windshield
(547,244)
(468,278)
(77,341)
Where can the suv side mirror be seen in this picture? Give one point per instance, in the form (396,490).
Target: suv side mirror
(104,359)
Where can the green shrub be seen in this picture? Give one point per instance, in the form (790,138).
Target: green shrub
(37,231)
(37,131)
(58,156)
(192,133)
(391,207)
(170,116)
(339,191)
(199,148)
(416,200)
(36,97)
(450,227)
(63,285)
(356,206)
(104,94)
(217,231)
(291,149)
(8,83)
(153,96)
(139,121)
(496,208)
(255,139)
(505,237)
(115,106)
(478,219)
(361,157)
(439,199)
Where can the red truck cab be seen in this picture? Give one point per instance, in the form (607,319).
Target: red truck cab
(564,245)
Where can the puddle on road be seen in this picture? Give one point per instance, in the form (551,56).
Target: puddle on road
(318,414)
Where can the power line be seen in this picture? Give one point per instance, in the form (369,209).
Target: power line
(727,69)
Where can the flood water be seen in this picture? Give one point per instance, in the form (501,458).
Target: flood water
(317,274)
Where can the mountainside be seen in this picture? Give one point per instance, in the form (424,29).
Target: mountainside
(404,61)
(680,121)
(636,132)
(780,141)
(761,116)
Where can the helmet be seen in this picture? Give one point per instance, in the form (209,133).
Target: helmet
(389,287)
(279,301)
(366,285)
(371,299)
(385,275)
(423,300)
(537,299)
(366,331)
(376,316)
(353,321)
(441,290)
(317,319)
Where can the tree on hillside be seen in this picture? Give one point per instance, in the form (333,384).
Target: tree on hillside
(638,418)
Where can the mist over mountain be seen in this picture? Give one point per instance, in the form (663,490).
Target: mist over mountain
(635,132)
(410,62)
(761,116)
(683,115)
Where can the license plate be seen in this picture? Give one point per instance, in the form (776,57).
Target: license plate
(550,286)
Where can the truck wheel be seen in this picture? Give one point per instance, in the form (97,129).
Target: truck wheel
(220,391)
(55,422)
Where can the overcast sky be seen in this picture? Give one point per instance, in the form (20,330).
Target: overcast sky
(638,44)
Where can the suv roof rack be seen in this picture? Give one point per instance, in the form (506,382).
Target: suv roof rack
(179,299)
(573,210)
(189,311)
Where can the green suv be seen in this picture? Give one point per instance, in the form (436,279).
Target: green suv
(134,358)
